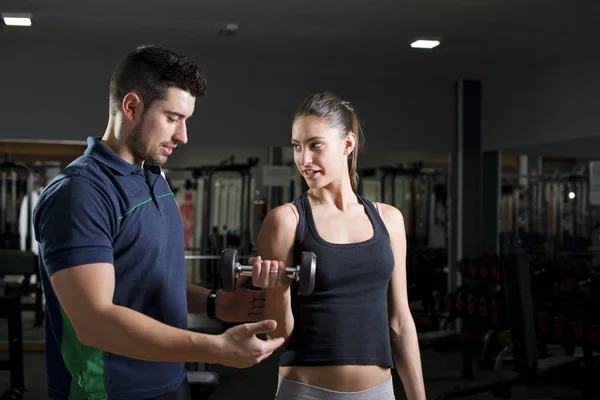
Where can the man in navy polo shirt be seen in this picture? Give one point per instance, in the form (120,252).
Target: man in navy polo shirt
(112,252)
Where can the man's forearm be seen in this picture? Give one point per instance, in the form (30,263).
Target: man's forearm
(407,357)
(123,331)
(196,299)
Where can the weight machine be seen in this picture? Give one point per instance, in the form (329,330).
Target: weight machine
(215,221)
(21,180)
(421,196)
(546,213)
(18,257)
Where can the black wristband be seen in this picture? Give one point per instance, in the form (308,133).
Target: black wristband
(210,304)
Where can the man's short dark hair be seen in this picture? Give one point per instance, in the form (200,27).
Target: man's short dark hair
(150,71)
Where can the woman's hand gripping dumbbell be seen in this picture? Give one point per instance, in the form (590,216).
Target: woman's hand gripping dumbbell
(269,274)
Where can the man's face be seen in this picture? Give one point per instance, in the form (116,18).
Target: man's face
(162,127)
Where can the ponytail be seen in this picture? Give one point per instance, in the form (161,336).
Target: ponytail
(353,157)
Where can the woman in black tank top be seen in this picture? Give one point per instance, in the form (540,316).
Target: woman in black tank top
(345,337)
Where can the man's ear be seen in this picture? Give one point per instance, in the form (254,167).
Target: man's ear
(133,106)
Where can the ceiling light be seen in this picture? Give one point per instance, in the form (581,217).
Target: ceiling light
(424,44)
(17,19)
(229,29)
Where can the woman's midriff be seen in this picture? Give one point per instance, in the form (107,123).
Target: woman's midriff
(339,378)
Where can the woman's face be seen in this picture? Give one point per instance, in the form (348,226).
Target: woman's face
(320,151)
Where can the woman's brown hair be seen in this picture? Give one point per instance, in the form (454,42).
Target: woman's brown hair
(340,114)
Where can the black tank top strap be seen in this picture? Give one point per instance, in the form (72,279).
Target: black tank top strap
(374,215)
(302,217)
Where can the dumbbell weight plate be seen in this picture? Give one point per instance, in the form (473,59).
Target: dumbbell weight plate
(308,267)
(228,267)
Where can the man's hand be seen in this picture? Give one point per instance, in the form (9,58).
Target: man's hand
(240,348)
(243,305)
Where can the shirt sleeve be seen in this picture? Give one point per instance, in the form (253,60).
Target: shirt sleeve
(74,224)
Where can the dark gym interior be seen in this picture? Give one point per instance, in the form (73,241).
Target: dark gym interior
(488,143)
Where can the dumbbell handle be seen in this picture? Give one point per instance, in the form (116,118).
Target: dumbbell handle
(246,270)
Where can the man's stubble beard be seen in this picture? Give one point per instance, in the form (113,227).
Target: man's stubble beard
(137,146)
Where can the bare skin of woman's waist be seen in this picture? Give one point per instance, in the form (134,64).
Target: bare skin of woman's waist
(340,378)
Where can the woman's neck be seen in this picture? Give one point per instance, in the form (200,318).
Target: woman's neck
(339,194)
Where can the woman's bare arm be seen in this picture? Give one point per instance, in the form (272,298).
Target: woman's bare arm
(405,344)
(276,242)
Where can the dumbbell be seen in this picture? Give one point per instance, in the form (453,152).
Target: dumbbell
(594,335)
(497,272)
(463,266)
(304,273)
(450,304)
(498,310)
(437,301)
(579,329)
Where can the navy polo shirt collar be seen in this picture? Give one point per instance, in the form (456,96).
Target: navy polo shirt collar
(102,153)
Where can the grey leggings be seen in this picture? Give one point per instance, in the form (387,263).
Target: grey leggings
(291,390)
